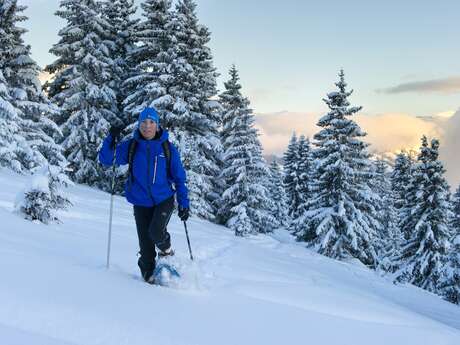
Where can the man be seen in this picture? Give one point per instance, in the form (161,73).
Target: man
(149,185)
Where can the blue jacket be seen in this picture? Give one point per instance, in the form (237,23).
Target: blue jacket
(149,184)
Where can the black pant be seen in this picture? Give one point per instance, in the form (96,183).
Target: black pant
(151,225)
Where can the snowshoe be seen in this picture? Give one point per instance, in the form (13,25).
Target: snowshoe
(165,273)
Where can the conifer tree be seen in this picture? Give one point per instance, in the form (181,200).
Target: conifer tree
(152,75)
(82,88)
(175,75)
(245,203)
(303,179)
(449,286)
(423,254)
(341,218)
(196,131)
(401,178)
(303,175)
(119,14)
(44,195)
(404,187)
(34,110)
(123,38)
(13,146)
(34,130)
(278,196)
(290,159)
(456,211)
(388,238)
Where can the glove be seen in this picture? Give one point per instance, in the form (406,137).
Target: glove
(115,132)
(184,213)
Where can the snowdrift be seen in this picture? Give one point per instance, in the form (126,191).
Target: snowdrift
(54,288)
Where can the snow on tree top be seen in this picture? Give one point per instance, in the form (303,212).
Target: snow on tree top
(39,183)
(457,241)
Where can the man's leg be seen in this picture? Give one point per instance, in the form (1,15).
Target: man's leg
(146,262)
(158,232)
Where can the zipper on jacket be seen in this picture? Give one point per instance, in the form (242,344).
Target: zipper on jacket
(155,169)
(148,173)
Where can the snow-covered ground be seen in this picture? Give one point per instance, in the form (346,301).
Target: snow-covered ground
(54,288)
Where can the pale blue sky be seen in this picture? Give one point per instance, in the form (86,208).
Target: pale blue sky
(289,52)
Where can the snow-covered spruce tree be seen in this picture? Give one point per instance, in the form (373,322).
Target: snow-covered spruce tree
(389,238)
(196,110)
(381,184)
(341,221)
(43,195)
(303,174)
(152,75)
(401,178)
(35,202)
(175,75)
(290,159)
(119,14)
(245,203)
(278,196)
(423,254)
(13,146)
(15,151)
(84,73)
(456,211)
(449,287)
(33,107)
(404,189)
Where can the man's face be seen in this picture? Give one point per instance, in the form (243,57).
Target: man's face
(148,129)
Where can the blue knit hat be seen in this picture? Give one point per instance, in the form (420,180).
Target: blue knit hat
(149,113)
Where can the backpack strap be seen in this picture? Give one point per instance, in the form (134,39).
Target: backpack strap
(167,151)
(131,150)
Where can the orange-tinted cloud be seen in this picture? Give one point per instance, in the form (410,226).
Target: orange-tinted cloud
(396,131)
(385,132)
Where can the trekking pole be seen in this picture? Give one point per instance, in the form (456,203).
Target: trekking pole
(111,204)
(188,241)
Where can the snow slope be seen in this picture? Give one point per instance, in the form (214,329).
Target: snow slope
(54,288)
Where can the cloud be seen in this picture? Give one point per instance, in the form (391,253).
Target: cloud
(446,114)
(388,132)
(450,147)
(276,128)
(396,131)
(446,85)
